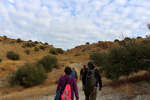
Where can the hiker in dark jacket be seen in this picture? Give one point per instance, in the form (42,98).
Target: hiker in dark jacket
(72,82)
(81,71)
(90,79)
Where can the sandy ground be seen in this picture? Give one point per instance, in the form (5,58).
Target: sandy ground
(101,95)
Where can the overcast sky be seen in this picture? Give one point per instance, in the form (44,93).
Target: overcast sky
(69,23)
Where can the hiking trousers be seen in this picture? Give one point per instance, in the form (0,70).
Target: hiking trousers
(90,93)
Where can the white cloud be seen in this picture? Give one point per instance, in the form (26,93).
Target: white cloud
(68,23)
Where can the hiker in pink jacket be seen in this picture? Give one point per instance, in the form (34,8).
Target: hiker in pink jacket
(72,82)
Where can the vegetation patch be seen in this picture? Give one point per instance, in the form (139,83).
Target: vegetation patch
(13,56)
(53,51)
(124,60)
(48,62)
(27,51)
(60,50)
(28,75)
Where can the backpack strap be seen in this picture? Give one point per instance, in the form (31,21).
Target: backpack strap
(62,89)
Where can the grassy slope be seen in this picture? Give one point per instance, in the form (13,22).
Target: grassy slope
(75,55)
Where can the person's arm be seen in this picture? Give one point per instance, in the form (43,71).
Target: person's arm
(75,88)
(97,73)
(83,76)
(58,86)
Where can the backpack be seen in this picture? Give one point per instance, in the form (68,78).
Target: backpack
(74,74)
(66,95)
(59,93)
(90,79)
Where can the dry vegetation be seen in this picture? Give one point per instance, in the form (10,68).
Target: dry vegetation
(76,55)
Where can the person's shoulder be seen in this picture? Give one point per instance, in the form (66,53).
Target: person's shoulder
(62,77)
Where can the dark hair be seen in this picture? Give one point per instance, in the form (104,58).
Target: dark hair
(68,70)
(90,63)
(84,66)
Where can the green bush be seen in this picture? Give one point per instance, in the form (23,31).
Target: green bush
(139,37)
(123,60)
(19,40)
(116,40)
(23,46)
(42,47)
(27,51)
(5,37)
(53,51)
(30,45)
(87,43)
(36,49)
(0,59)
(46,43)
(13,56)
(28,75)
(36,42)
(60,50)
(48,62)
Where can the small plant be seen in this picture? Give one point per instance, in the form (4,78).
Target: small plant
(46,43)
(48,62)
(23,46)
(28,75)
(27,51)
(0,59)
(12,42)
(116,40)
(53,51)
(42,48)
(0,40)
(30,45)
(87,43)
(13,56)
(77,54)
(60,50)
(5,37)
(30,40)
(36,42)
(139,37)
(19,40)
(36,49)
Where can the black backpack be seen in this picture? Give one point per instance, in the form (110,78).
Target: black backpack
(90,79)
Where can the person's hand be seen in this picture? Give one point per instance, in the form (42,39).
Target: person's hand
(100,88)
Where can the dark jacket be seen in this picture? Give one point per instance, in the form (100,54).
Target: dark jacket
(96,73)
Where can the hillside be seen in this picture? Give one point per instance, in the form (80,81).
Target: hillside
(77,56)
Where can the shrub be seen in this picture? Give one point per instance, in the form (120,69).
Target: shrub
(36,42)
(48,62)
(13,56)
(5,37)
(139,37)
(77,54)
(60,50)
(28,75)
(27,51)
(42,47)
(36,49)
(53,51)
(19,40)
(46,43)
(0,40)
(30,44)
(23,46)
(87,43)
(12,42)
(116,40)
(30,40)
(0,59)
(123,60)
